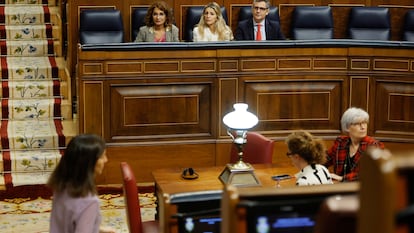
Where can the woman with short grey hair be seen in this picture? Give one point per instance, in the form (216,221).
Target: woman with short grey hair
(351,116)
(346,152)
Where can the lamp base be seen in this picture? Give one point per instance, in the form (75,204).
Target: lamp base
(239,177)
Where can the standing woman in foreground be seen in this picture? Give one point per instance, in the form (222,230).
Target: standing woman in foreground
(346,152)
(307,153)
(159,25)
(76,206)
(212,26)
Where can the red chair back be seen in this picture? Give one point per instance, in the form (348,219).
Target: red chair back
(131,199)
(258,149)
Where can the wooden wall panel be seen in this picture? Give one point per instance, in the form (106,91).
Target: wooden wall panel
(228,66)
(228,95)
(152,111)
(306,102)
(391,64)
(360,64)
(161,66)
(359,89)
(125,67)
(321,63)
(394,107)
(93,68)
(92,114)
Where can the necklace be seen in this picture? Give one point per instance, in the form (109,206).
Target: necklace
(353,149)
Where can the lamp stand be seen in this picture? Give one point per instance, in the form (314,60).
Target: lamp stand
(240,173)
(239,177)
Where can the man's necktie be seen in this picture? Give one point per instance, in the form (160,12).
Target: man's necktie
(259,32)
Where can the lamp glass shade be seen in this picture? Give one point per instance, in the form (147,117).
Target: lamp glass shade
(240,118)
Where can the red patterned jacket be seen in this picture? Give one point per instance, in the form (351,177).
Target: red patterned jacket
(338,156)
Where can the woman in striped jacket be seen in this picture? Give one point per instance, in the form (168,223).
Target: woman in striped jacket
(308,154)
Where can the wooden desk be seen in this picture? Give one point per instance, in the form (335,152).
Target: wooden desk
(169,185)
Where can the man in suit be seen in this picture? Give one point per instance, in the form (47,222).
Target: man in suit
(258,27)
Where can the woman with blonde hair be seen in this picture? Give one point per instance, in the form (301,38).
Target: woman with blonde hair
(307,153)
(212,26)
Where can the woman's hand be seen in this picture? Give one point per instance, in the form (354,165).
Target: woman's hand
(336,177)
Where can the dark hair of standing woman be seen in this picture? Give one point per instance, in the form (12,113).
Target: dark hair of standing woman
(75,172)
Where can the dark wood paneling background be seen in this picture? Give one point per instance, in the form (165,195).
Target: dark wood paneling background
(157,116)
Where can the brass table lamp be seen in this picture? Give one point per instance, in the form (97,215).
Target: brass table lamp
(238,123)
